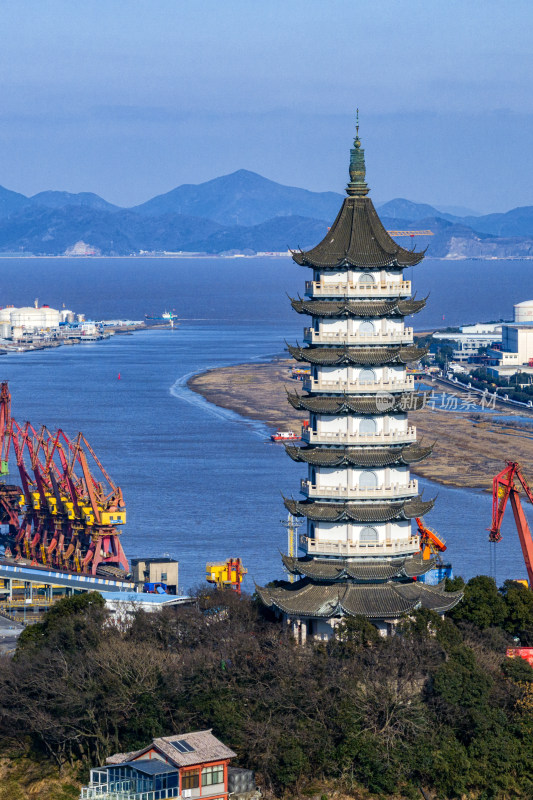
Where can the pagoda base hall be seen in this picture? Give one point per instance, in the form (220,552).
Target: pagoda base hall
(360,553)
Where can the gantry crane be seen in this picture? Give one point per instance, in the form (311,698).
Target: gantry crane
(503,488)
(62,515)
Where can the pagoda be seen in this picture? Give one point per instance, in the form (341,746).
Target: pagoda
(360,554)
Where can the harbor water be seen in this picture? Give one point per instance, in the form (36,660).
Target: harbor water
(201,483)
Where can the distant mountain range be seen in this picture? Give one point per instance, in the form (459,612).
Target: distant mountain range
(241,212)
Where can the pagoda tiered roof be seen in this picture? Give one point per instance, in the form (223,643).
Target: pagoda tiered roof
(335,356)
(359,512)
(357,238)
(350,404)
(359,456)
(360,571)
(358,308)
(379,601)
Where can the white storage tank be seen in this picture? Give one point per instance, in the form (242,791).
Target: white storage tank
(35,318)
(523,312)
(5,330)
(5,313)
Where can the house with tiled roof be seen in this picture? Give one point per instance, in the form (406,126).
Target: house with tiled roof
(190,765)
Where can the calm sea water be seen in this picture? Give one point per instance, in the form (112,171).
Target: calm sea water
(201,483)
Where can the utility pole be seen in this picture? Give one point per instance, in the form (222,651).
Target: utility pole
(292,525)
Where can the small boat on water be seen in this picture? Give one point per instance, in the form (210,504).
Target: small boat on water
(285,436)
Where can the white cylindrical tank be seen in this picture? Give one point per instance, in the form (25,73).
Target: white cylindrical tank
(35,318)
(5,330)
(5,313)
(523,312)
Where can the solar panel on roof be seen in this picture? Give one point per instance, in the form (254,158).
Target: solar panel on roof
(182,746)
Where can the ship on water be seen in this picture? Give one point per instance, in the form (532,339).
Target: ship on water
(169,317)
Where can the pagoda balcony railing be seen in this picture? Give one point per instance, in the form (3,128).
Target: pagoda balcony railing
(330,437)
(340,492)
(316,547)
(363,290)
(320,384)
(341,337)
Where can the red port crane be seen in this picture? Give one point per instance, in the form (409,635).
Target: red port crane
(503,488)
(67,511)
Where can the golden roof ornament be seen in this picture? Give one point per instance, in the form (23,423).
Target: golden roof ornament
(357,186)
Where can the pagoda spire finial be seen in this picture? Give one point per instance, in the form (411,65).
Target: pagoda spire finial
(357,186)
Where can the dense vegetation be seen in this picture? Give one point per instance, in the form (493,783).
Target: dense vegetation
(481,379)
(438,706)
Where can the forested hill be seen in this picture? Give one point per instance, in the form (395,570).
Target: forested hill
(242,212)
(438,706)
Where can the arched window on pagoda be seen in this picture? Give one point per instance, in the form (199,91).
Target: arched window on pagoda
(366,279)
(368,535)
(366,328)
(368,480)
(367,376)
(367,427)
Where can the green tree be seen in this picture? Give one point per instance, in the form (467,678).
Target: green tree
(518,603)
(461,682)
(482,604)
(72,623)
(517,670)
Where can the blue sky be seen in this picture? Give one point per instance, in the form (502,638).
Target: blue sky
(130,98)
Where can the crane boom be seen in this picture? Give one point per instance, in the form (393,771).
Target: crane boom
(503,489)
(410,233)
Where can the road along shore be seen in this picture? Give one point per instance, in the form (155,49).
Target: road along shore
(470,448)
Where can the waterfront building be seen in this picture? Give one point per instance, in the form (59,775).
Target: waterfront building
(359,555)
(29,319)
(470,339)
(516,354)
(192,765)
(156,570)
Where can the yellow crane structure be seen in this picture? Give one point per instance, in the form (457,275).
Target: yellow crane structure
(228,574)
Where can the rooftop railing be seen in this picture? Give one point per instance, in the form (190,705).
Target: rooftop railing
(125,790)
(342,337)
(315,547)
(362,290)
(329,437)
(343,492)
(358,387)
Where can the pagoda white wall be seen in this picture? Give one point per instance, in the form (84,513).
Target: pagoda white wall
(354,275)
(350,326)
(395,531)
(350,477)
(352,373)
(350,423)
